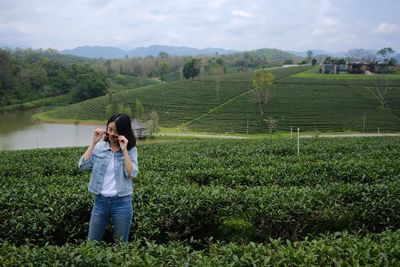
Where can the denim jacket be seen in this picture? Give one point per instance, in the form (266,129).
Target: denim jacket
(98,161)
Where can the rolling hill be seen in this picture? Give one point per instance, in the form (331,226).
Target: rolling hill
(300,97)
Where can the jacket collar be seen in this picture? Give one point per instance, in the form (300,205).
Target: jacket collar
(106,146)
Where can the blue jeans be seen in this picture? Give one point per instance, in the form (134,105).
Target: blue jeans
(121,212)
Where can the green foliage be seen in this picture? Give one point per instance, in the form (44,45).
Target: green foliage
(385,54)
(313,61)
(200,189)
(339,249)
(90,84)
(154,121)
(162,70)
(28,75)
(236,230)
(192,69)
(262,83)
(139,110)
(333,203)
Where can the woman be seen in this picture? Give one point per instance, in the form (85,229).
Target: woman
(112,157)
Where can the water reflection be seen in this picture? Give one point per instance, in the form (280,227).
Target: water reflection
(15,121)
(48,135)
(18,131)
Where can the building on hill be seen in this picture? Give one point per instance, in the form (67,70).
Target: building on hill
(383,68)
(355,68)
(139,129)
(360,68)
(334,68)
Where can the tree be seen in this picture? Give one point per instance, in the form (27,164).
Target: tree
(180,73)
(154,119)
(392,61)
(328,60)
(163,55)
(142,76)
(217,71)
(360,55)
(313,61)
(192,69)
(262,82)
(339,61)
(309,55)
(139,110)
(271,124)
(89,85)
(385,54)
(107,67)
(6,73)
(163,69)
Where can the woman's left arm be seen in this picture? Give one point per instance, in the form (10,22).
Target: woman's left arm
(127,162)
(130,158)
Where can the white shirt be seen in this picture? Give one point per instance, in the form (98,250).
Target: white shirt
(109,187)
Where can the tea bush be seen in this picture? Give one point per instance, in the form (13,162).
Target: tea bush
(189,189)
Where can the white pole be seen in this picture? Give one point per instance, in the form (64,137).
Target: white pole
(298,141)
(247,124)
(364,122)
(291,132)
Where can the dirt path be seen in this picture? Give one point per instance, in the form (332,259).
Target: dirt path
(204,135)
(352,135)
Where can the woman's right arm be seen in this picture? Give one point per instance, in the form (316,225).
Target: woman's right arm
(97,136)
(85,163)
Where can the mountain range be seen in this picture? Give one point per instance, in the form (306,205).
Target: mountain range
(316,53)
(153,50)
(109,52)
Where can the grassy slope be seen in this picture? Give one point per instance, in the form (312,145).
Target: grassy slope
(313,102)
(300,97)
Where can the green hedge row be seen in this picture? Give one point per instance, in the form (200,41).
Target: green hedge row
(56,209)
(187,189)
(339,249)
(236,163)
(275,162)
(179,212)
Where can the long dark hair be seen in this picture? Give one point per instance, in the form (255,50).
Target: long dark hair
(124,127)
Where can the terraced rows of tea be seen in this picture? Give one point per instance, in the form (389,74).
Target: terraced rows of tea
(204,201)
(309,107)
(299,98)
(176,102)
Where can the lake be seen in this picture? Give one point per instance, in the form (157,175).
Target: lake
(18,131)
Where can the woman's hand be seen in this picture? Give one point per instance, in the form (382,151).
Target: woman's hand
(123,142)
(98,135)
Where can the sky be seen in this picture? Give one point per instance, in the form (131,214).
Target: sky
(297,25)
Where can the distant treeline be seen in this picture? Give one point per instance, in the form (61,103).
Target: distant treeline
(27,74)
(151,66)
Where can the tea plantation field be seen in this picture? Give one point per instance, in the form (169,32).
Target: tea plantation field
(299,97)
(213,203)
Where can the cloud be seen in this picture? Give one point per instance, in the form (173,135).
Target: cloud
(385,28)
(325,25)
(234,24)
(241,13)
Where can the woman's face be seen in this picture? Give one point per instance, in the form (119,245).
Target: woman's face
(112,132)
